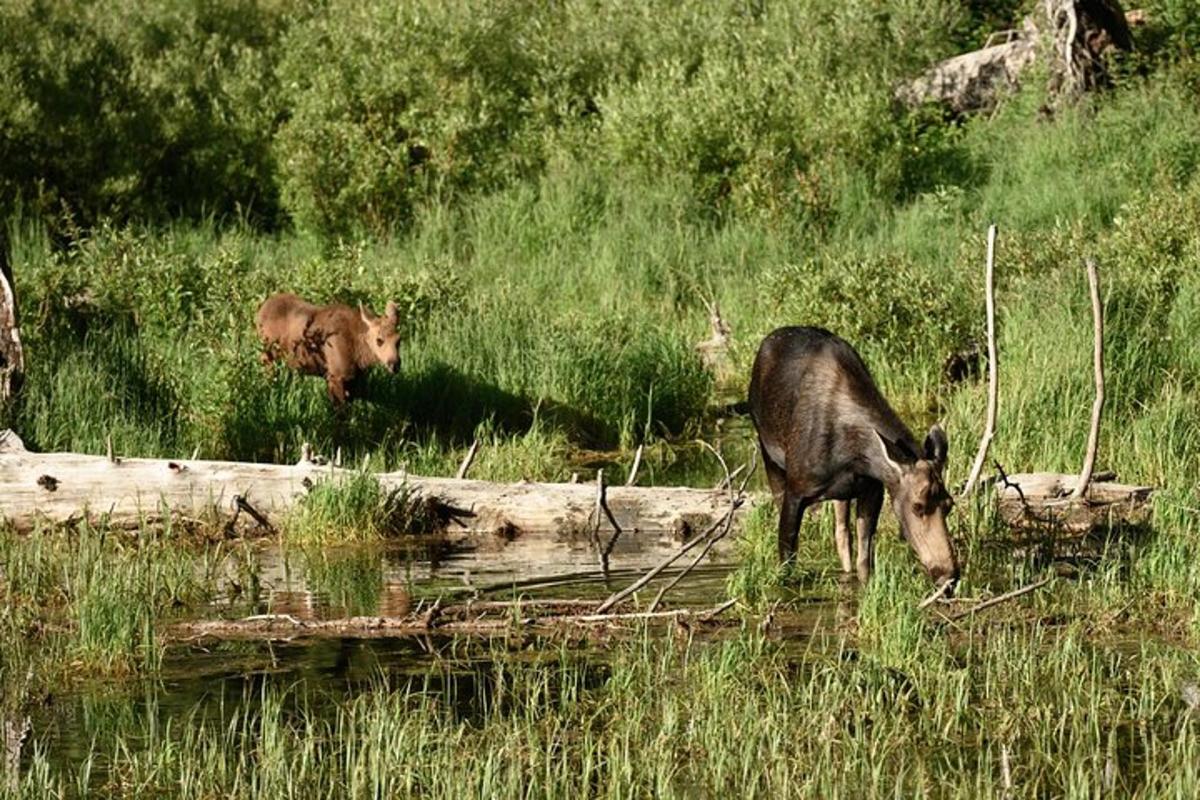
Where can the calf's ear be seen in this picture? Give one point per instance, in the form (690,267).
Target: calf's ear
(362,312)
(391,313)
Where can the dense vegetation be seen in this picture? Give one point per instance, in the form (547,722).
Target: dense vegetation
(551,192)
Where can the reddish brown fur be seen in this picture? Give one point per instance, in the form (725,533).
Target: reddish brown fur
(336,342)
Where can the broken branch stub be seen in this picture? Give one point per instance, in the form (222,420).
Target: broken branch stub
(12,354)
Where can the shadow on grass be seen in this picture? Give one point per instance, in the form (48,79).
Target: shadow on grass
(271,415)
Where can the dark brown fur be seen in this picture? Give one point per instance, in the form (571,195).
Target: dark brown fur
(827,433)
(336,342)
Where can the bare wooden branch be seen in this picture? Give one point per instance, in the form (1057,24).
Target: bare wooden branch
(707,547)
(1089,459)
(244,505)
(468,459)
(602,511)
(989,429)
(662,565)
(1005,771)
(938,594)
(1004,598)
(736,498)
(633,471)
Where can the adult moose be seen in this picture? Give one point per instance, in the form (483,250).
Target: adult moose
(336,342)
(827,433)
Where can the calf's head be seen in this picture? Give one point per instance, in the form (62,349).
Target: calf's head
(921,502)
(381,337)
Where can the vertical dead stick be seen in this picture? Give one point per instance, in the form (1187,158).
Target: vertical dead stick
(603,511)
(468,459)
(633,471)
(1005,771)
(989,430)
(1089,459)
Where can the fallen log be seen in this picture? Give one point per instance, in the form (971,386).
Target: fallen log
(1044,500)
(467,619)
(128,492)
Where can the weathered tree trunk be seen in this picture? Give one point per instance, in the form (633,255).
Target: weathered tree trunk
(59,487)
(1042,500)
(1072,37)
(12,357)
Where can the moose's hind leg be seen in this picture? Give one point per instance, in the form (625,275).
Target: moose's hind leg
(791,514)
(776,476)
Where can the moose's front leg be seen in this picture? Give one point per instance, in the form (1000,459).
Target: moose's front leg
(841,532)
(338,391)
(866,510)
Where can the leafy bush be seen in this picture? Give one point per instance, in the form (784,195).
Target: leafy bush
(138,109)
(885,303)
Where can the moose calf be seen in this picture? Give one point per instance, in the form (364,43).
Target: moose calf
(827,433)
(334,341)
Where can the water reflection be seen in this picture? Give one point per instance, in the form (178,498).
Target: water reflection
(316,583)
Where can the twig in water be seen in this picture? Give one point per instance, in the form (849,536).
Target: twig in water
(1089,459)
(650,575)
(728,524)
(995,601)
(633,471)
(736,499)
(989,430)
(431,614)
(468,459)
(682,612)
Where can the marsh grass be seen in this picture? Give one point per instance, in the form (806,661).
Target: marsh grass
(351,508)
(653,717)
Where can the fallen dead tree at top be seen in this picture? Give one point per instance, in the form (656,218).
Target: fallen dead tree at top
(1073,38)
(127,492)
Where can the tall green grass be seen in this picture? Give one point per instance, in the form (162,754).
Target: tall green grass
(749,717)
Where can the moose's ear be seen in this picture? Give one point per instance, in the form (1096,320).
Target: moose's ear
(936,446)
(362,312)
(897,454)
(391,313)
